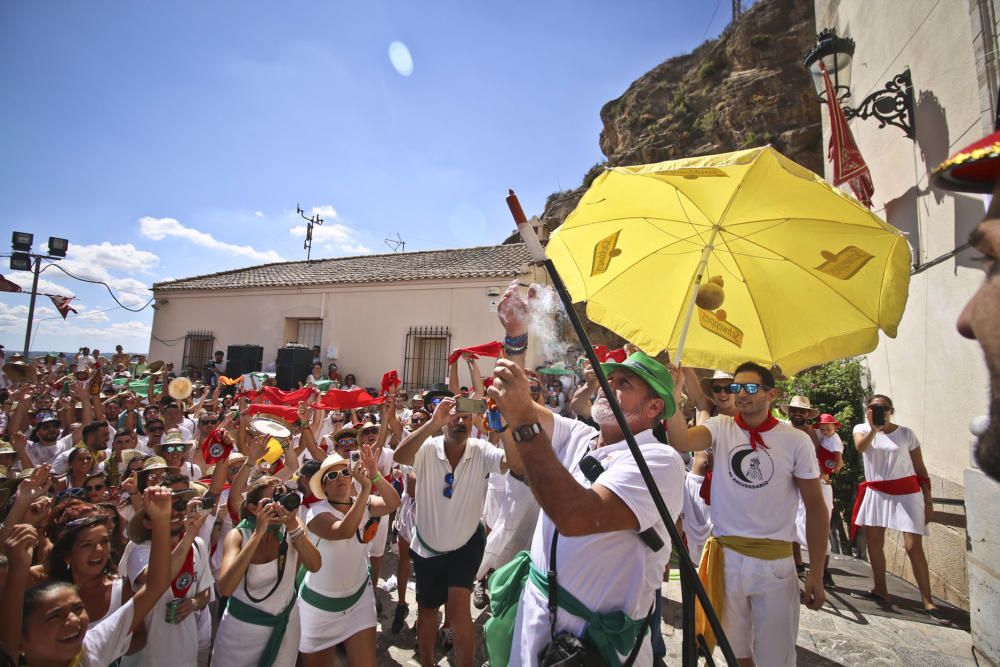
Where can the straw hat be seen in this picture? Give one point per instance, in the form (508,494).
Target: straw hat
(157,463)
(316,481)
(706,383)
(799,402)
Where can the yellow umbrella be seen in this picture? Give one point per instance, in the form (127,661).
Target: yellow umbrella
(733,257)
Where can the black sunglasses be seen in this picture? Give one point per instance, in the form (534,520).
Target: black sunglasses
(718,388)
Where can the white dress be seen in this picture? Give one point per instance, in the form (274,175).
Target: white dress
(889,458)
(514,525)
(697,516)
(344,573)
(239,644)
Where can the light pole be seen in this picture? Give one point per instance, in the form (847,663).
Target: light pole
(21,260)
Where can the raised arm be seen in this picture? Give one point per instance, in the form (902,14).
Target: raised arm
(406,453)
(682,438)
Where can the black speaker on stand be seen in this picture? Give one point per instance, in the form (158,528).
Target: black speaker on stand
(242,359)
(293,366)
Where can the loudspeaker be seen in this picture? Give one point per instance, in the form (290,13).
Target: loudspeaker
(293,366)
(241,359)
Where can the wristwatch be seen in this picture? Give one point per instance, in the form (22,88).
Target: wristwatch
(526,432)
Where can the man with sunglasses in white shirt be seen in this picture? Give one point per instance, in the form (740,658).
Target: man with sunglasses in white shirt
(761,468)
(452,472)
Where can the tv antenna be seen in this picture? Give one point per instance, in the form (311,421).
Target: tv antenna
(396,244)
(315,220)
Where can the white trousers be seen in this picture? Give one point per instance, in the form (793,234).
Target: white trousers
(761,613)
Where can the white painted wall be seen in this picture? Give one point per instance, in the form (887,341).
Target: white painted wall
(366,322)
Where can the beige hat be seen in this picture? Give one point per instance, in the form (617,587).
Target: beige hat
(5,448)
(706,383)
(799,402)
(316,481)
(157,463)
(174,437)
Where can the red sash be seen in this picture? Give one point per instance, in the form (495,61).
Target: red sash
(182,582)
(894,487)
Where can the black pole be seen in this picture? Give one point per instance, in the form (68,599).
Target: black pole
(689,575)
(31,309)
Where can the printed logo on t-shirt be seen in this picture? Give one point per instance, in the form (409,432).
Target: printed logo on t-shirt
(185,580)
(750,468)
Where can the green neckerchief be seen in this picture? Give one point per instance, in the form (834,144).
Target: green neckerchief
(250,524)
(613,633)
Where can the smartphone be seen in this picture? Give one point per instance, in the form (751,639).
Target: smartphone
(878,415)
(474,405)
(207,501)
(355,458)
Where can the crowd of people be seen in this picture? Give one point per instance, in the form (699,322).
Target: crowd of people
(140,528)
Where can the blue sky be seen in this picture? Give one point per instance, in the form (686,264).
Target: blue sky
(171,139)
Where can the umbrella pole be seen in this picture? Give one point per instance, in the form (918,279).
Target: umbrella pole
(699,276)
(689,575)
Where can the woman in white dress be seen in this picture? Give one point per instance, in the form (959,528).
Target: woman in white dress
(261,556)
(896,494)
(337,604)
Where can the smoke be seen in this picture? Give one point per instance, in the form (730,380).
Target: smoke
(547,321)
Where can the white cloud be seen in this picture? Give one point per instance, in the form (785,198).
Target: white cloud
(259,214)
(333,236)
(160,228)
(399,56)
(91,316)
(14,318)
(23,278)
(130,291)
(96,262)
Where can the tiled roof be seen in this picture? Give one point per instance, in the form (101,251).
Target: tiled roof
(481,262)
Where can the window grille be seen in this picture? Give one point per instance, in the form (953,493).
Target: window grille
(426,360)
(198,349)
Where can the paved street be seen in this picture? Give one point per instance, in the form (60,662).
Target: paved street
(846,631)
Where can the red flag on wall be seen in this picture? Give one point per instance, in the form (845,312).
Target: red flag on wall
(8,286)
(848,164)
(62,304)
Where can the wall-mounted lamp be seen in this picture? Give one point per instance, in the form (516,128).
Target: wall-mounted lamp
(893,105)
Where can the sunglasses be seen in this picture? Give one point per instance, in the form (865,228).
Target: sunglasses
(749,387)
(346,442)
(718,388)
(333,474)
(418,422)
(174,449)
(233,469)
(96,488)
(208,422)
(449,480)
(154,429)
(368,533)
(73,492)
(84,522)
(155,476)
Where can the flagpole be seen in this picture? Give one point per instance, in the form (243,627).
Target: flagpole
(31,309)
(689,575)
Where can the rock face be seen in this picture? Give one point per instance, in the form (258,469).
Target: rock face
(747,88)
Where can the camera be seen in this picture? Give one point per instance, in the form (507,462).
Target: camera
(290,500)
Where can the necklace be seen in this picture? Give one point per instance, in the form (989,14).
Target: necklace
(334,502)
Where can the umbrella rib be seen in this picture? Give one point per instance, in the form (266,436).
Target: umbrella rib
(788,219)
(630,217)
(753,299)
(677,192)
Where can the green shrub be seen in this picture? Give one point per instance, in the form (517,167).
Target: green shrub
(593,173)
(709,70)
(760,41)
(706,122)
(840,388)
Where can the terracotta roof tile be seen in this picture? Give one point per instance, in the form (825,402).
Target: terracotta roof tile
(481,262)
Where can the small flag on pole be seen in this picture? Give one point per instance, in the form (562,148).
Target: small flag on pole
(8,286)
(62,304)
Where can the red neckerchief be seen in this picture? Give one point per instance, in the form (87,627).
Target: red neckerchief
(182,582)
(310,500)
(755,438)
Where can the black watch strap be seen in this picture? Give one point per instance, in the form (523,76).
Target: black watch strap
(526,432)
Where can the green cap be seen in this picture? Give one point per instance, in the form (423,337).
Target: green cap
(654,374)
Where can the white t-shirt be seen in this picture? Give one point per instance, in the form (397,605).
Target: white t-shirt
(754,493)
(41,454)
(611,571)
(108,640)
(445,524)
(170,644)
(832,443)
(888,457)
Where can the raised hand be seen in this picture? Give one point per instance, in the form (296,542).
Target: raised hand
(513,310)
(442,413)
(157,502)
(265,517)
(35,486)
(19,546)
(257,448)
(369,461)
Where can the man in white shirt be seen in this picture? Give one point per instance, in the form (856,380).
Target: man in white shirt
(761,467)
(45,446)
(452,473)
(590,489)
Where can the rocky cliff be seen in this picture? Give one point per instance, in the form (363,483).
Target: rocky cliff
(747,88)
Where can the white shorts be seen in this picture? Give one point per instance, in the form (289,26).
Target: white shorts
(761,612)
(904,513)
(800,516)
(406,515)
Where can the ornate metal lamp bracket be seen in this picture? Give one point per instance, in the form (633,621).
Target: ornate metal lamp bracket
(893,105)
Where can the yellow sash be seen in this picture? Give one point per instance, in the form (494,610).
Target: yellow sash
(712,573)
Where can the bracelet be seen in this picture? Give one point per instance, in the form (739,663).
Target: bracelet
(296,533)
(516,341)
(303,423)
(377,477)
